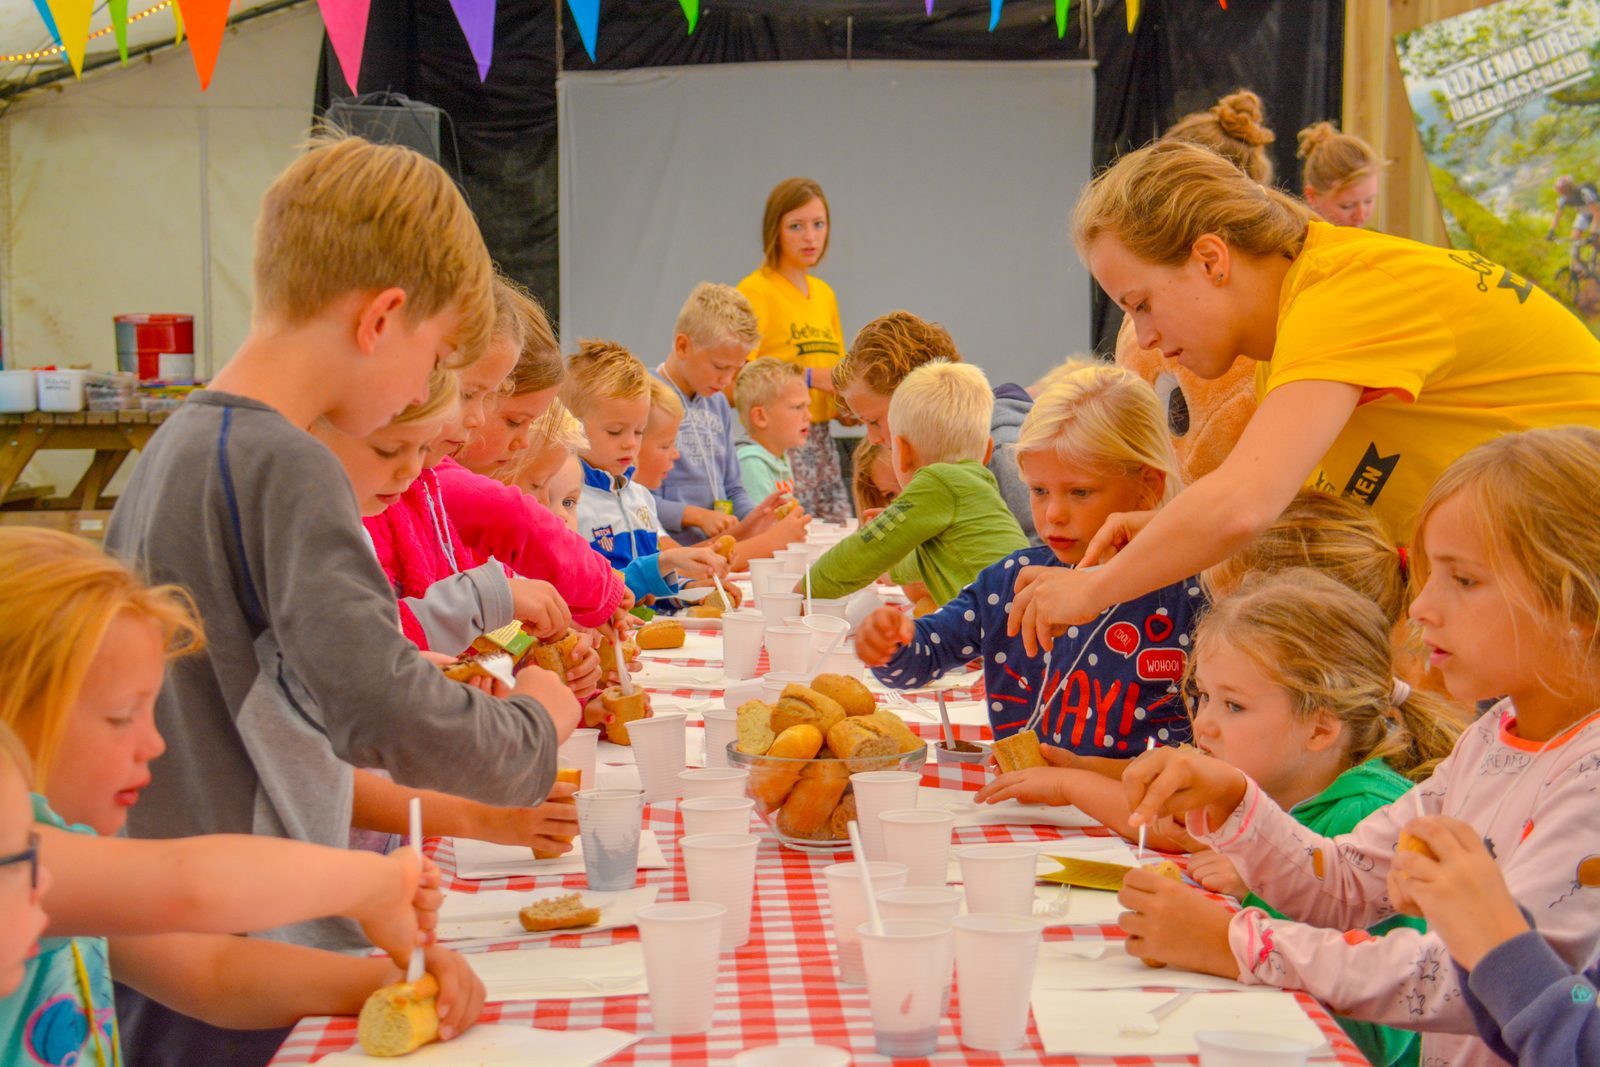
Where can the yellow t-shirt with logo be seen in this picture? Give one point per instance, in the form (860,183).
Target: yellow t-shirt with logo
(1450,350)
(797,328)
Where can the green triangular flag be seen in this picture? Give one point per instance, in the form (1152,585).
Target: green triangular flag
(1061,17)
(691,11)
(119,25)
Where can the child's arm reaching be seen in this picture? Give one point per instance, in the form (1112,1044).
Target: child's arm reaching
(906,654)
(548,827)
(920,514)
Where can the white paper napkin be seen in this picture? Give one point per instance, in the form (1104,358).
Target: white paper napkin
(697,644)
(1006,813)
(506,1046)
(1089,1023)
(493,914)
(480,859)
(1060,969)
(1085,907)
(561,973)
(657,675)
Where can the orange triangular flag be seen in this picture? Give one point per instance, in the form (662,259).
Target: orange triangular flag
(205,20)
(72,22)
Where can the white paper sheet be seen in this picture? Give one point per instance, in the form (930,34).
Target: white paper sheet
(559,973)
(697,644)
(506,1046)
(1085,907)
(1099,849)
(1089,1023)
(1008,812)
(493,914)
(1060,969)
(480,859)
(657,675)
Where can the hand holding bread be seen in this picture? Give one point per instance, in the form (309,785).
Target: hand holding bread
(882,634)
(541,607)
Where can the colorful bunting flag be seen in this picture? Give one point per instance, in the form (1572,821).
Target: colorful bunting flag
(929,6)
(586,13)
(204,21)
(346,21)
(477,22)
(119,26)
(1061,17)
(72,20)
(177,26)
(994,13)
(49,23)
(691,11)
(1133,14)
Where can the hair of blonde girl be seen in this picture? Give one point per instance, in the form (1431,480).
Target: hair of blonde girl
(664,398)
(716,314)
(786,196)
(1328,647)
(1335,535)
(1103,417)
(539,365)
(1232,129)
(602,370)
(444,391)
(559,428)
(61,594)
(943,410)
(13,752)
(1159,200)
(761,382)
(1334,159)
(1533,494)
(890,347)
(867,495)
(1071,365)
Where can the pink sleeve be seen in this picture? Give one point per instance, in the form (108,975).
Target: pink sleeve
(504,522)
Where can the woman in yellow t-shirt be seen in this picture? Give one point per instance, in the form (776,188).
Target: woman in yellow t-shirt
(1378,362)
(799,318)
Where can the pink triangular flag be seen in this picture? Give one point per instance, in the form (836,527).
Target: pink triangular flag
(477,23)
(346,21)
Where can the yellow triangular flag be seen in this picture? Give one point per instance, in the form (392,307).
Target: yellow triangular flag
(72,22)
(177,22)
(1133,14)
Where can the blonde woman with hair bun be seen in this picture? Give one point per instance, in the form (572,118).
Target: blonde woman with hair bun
(1233,128)
(1378,361)
(1340,174)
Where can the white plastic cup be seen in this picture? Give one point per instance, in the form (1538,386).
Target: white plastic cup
(609,821)
(712,782)
(789,649)
(906,963)
(995,960)
(759,570)
(721,869)
(824,630)
(860,605)
(772,685)
(716,815)
(742,631)
(782,580)
(877,792)
(680,943)
(793,558)
(842,660)
(722,726)
(580,751)
(918,838)
(1246,1048)
(777,607)
(793,1055)
(660,748)
(848,906)
(831,608)
(998,879)
(933,903)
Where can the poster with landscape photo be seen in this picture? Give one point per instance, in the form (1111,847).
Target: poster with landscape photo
(1507,100)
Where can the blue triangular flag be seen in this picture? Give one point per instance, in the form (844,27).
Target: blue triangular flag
(49,21)
(586,13)
(994,13)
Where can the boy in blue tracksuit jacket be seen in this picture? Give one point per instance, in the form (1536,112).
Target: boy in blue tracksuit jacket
(1107,685)
(618,516)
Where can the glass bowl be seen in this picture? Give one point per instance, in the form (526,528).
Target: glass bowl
(800,799)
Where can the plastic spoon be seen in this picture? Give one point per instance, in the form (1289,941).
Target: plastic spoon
(866,877)
(944,721)
(1149,743)
(414,969)
(1148,1024)
(623,679)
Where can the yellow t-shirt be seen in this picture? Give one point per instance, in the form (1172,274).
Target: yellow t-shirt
(1450,350)
(797,328)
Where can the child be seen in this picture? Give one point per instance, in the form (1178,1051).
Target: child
(705,492)
(83,647)
(873,486)
(513,413)
(1093,445)
(775,410)
(557,437)
(609,392)
(1339,175)
(1508,557)
(949,521)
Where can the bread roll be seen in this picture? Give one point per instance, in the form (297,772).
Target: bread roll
(785,509)
(897,730)
(662,633)
(1018,752)
(797,742)
(800,704)
(770,782)
(842,816)
(552,655)
(572,776)
(723,546)
(860,737)
(812,800)
(851,694)
(755,728)
(1412,843)
(620,710)
(557,913)
(705,611)
(399,1018)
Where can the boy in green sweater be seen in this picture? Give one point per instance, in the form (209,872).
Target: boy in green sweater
(949,521)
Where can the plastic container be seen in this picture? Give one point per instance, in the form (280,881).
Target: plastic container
(61,390)
(19,392)
(768,773)
(146,345)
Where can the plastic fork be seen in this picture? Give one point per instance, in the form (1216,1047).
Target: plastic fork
(1148,1024)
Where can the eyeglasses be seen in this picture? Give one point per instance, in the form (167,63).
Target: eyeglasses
(30,856)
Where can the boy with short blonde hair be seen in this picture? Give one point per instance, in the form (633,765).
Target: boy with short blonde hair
(949,521)
(775,409)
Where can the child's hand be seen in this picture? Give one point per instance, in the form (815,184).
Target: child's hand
(402,893)
(540,827)
(541,607)
(550,691)
(583,666)
(710,521)
(1036,785)
(1462,894)
(1170,922)
(1047,601)
(461,992)
(792,527)
(694,562)
(1217,873)
(1114,535)
(882,634)
(1182,781)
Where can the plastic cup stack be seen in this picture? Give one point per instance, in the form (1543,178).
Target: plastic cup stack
(680,963)
(918,838)
(742,631)
(722,726)
(824,629)
(995,960)
(721,869)
(936,904)
(778,606)
(789,649)
(609,821)
(716,815)
(848,906)
(712,782)
(772,685)
(998,879)
(876,792)
(660,748)
(842,660)
(759,570)
(906,964)
(579,750)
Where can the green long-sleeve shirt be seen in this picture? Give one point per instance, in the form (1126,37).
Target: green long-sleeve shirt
(950,523)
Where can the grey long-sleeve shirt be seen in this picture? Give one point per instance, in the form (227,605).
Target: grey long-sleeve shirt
(306,674)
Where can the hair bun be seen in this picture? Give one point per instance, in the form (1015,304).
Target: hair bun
(1315,135)
(1240,114)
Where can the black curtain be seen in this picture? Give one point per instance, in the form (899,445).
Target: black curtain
(500,135)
